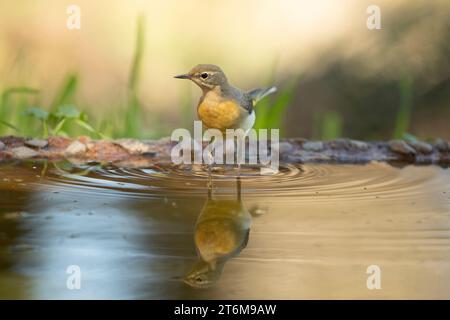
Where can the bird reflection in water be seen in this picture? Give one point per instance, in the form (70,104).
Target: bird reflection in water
(221,232)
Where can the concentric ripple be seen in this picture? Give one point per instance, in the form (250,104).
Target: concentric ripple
(311,182)
(312,225)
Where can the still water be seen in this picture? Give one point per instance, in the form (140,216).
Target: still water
(311,231)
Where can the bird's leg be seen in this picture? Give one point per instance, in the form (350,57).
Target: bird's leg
(238,156)
(210,184)
(238,182)
(239,171)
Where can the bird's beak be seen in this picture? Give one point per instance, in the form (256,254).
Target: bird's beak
(183,76)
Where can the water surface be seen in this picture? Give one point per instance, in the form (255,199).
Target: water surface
(310,231)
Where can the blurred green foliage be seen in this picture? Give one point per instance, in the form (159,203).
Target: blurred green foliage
(271,111)
(23,113)
(53,123)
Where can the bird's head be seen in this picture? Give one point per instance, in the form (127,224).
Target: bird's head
(206,76)
(203,274)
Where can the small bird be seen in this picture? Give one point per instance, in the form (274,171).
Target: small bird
(223,106)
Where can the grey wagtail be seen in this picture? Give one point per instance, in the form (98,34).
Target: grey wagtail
(223,106)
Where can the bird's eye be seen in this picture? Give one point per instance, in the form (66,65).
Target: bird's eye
(198,280)
(204,75)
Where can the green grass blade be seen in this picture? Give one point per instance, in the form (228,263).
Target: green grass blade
(89,128)
(331,125)
(45,128)
(85,125)
(277,111)
(17,90)
(9,125)
(59,126)
(133,118)
(270,111)
(138,53)
(406,103)
(6,109)
(66,91)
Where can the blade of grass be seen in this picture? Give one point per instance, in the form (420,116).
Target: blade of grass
(16,90)
(277,111)
(45,129)
(9,125)
(404,112)
(263,106)
(7,108)
(85,125)
(133,119)
(89,128)
(59,126)
(133,80)
(187,111)
(270,111)
(66,91)
(331,125)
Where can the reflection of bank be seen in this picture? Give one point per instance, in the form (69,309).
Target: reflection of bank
(221,232)
(13,209)
(49,222)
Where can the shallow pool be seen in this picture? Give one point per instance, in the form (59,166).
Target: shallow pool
(311,231)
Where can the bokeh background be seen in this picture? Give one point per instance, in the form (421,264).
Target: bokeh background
(114,76)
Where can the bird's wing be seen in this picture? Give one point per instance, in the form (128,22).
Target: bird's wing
(247,102)
(258,94)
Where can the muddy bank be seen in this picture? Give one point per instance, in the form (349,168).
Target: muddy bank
(141,153)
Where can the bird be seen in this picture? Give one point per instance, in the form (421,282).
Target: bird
(221,232)
(223,106)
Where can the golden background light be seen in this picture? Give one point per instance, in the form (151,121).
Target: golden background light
(251,40)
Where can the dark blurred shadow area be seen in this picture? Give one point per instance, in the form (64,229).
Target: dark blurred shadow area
(396,81)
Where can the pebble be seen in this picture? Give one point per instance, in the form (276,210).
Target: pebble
(90,145)
(36,143)
(345,143)
(75,148)
(401,146)
(23,153)
(360,145)
(135,146)
(421,147)
(313,146)
(2,145)
(442,145)
(285,147)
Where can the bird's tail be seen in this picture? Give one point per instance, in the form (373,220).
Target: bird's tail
(258,94)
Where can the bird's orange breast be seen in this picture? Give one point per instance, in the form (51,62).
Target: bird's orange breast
(220,114)
(216,238)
